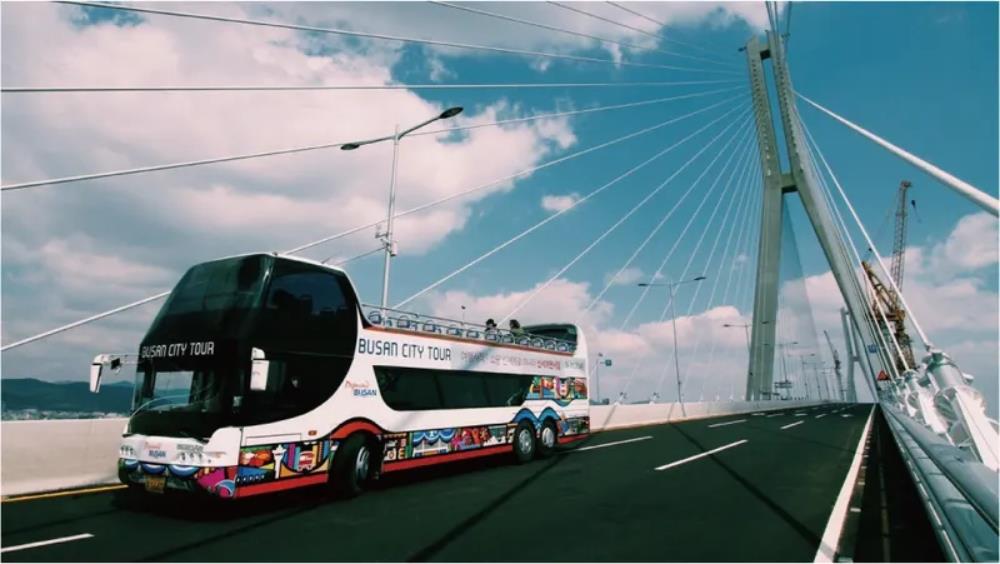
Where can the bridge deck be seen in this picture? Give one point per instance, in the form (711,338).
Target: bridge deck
(768,499)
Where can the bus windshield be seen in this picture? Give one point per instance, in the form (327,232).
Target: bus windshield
(194,363)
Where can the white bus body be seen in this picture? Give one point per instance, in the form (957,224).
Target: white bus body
(418,391)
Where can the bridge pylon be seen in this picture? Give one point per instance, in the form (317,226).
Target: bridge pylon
(799,179)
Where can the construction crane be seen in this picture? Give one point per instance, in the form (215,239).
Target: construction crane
(886,302)
(899,242)
(836,367)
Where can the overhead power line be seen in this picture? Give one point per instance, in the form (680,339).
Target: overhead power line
(413,210)
(350,87)
(576,33)
(187,164)
(415,40)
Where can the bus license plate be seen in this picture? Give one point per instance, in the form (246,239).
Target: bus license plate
(156,484)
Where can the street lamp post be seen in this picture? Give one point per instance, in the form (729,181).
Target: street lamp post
(784,367)
(387,241)
(746,331)
(673,320)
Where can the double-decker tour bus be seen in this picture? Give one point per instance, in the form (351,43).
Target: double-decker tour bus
(263,373)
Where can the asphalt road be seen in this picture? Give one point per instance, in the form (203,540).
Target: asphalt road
(766,499)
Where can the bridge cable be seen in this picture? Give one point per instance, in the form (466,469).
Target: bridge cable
(871,244)
(661,25)
(596,241)
(673,248)
(860,282)
(979,197)
(403,39)
(742,242)
(750,182)
(552,217)
(743,210)
(509,177)
(636,251)
(695,214)
(350,87)
(374,223)
(737,204)
(353,258)
(187,164)
(573,8)
(576,33)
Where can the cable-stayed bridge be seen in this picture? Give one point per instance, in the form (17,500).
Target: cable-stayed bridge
(775,460)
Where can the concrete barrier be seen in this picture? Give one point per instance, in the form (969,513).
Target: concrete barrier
(58,454)
(608,417)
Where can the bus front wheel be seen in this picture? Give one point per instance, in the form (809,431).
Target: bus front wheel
(352,466)
(524,442)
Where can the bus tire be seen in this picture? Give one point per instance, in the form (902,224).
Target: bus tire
(547,439)
(352,466)
(524,442)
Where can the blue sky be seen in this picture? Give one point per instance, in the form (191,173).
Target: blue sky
(923,75)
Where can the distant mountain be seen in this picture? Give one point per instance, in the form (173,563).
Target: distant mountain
(30,393)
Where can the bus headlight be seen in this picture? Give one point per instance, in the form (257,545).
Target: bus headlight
(125,451)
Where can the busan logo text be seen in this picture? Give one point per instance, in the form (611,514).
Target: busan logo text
(362,389)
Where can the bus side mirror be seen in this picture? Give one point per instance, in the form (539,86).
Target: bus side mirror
(259,367)
(96,368)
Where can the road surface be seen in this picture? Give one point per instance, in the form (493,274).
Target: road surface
(764,493)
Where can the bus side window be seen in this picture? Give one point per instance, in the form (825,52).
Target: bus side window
(408,389)
(507,389)
(462,389)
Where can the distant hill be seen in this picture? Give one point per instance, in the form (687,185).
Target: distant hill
(30,393)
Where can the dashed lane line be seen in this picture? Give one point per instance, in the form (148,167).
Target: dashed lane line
(615,443)
(46,542)
(702,455)
(728,423)
(790,425)
(775,414)
(821,415)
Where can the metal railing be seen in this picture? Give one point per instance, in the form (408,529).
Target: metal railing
(429,324)
(958,491)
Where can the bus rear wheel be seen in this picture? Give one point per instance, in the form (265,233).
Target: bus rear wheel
(352,466)
(524,442)
(547,439)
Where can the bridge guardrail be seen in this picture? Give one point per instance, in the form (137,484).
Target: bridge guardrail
(55,454)
(959,492)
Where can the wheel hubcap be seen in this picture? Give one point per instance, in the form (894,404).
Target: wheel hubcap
(361,464)
(524,440)
(548,437)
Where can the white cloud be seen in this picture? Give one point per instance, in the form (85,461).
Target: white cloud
(559,203)
(626,277)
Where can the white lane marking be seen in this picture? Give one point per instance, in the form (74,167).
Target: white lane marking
(46,542)
(775,414)
(846,415)
(592,447)
(801,414)
(831,535)
(820,416)
(790,425)
(758,414)
(728,423)
(702,455)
